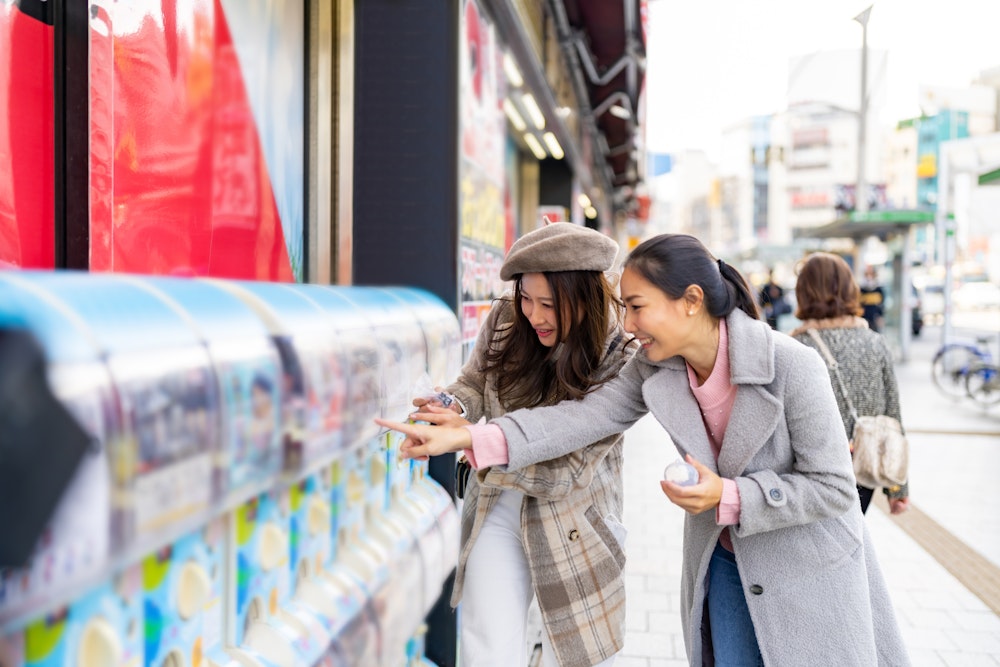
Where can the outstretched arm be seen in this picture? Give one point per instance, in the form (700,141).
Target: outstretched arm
(542,434)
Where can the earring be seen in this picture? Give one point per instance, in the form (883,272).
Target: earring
(690,313)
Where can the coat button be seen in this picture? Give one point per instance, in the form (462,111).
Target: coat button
(574,535)
(756,589)
(776,494)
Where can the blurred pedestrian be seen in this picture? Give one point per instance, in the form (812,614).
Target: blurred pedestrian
(557,337)
(873,300)
(778,567)
(828,301)
(772,300)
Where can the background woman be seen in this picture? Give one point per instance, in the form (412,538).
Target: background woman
(778,566)
(557,337)
(828,301)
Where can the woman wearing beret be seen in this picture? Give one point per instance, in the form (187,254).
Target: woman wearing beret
(778,567)
(552,529)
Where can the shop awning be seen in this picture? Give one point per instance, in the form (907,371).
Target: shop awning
(609,52)
(990,177)
(871,223)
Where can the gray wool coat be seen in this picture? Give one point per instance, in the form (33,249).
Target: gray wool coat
(811,578)
(571,511)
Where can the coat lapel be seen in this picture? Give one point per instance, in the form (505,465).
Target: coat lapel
(755,415)
(756,412)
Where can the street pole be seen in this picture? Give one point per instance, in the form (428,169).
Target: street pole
(861,188)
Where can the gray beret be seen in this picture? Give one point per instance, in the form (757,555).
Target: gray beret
(559,246)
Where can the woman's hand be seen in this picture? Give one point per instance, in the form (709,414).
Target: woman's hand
(704,495)
(424,440)
(439,416)
(434,400)
(899,505)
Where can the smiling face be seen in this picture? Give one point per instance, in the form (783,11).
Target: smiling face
(661,324)
(538,306)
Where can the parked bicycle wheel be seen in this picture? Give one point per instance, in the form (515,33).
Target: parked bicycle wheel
(982,383)
(950,367)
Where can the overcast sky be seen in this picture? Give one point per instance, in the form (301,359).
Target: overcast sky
(713,62)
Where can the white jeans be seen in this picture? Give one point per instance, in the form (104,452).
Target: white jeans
(497,593)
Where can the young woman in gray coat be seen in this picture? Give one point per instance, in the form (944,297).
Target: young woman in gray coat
(778,565)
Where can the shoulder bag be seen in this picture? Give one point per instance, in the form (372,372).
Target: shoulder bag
(881,452)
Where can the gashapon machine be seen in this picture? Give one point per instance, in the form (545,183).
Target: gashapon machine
(161,487)
(401,347)
(272,530)
(249,377)
(191,586)
(357,569)
(162,456)
(442,338)
(74,552)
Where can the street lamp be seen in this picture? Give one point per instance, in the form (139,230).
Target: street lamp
(861,188)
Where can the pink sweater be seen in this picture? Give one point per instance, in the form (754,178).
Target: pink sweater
(715,397)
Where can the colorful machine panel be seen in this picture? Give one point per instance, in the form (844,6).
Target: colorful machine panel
(104,628)
(27,173)
(263,572)
(182,590)
(197,138)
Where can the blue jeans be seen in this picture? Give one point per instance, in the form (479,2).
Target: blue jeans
(733,640)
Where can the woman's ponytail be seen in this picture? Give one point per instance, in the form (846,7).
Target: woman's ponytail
(738,290)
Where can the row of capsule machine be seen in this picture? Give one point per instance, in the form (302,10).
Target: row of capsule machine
(242,509)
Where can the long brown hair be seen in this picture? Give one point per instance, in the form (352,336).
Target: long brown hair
(527,373)
(826,288)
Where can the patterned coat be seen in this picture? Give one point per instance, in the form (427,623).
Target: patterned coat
(575,559)
(811,577)
(865,363)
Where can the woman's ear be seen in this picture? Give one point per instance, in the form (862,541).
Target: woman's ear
(693,297)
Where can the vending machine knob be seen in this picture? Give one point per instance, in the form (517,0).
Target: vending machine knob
(193,589)
(273,547)
(318,517)
(100,645)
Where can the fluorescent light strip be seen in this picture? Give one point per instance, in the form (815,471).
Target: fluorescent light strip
(513,74)
(535,146)
(531,106)
(513,116)
(554,148)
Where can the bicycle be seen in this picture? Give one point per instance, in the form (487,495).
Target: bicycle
(952,364)
(982,383)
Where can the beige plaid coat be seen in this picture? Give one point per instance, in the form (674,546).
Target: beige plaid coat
(570,507)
